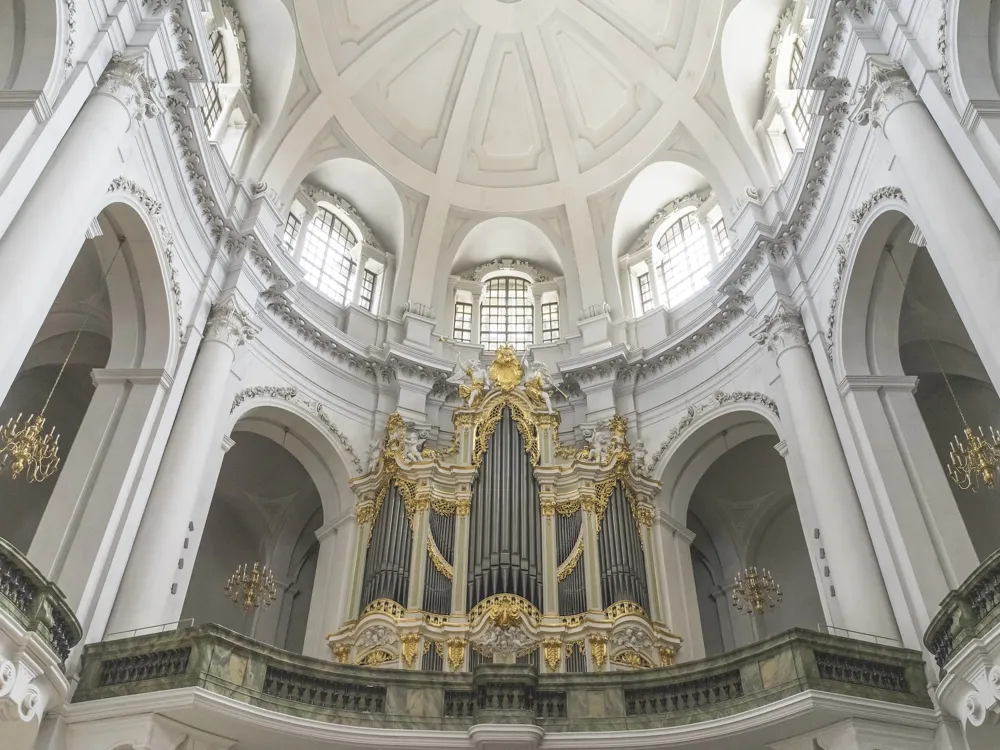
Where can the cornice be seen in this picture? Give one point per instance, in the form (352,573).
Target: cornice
(507,264)
(317,194)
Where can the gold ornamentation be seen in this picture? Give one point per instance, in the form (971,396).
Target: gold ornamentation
(342,653)
(667,655)
(753,590)
(477,387)
(976,460)
(643,515)
(366,512)
(632,659)
(504,610)
(547,419)
(548,508)
(487,423)
(598,649)
(568,507)
(564,450)
(411,646)
(551,648)
(252,588)
(462,506)
(456,653)
(376,658)
(569,564)
(622,609)
(506,372)
(386,607)
(437,559)
(28,449)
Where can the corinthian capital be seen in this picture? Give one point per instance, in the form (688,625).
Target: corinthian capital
(126,80)
(885,87)
(781,329)
(230,323)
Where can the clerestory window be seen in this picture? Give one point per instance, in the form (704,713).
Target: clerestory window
(685,260)
(326,255)
(506,313)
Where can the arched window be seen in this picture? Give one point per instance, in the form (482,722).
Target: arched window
(685,260)
(326,255)
(213,98)
(507,313)
(803,99)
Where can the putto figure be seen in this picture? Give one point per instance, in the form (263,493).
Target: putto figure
(538,382)
(472,380)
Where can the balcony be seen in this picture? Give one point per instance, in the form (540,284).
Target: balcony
(37,631)
(186,675)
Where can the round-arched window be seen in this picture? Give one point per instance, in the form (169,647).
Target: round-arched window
(326,255)
(685,260)
(506,313)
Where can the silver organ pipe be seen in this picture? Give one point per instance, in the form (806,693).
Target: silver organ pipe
(437,588)
(505,540)
(387,564)
(623,568)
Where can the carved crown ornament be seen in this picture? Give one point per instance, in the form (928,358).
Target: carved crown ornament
(509,264)
(126,78)
(886,86)
(319,195)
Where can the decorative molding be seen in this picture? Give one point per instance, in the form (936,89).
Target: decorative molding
(229,12)
(292,396)
(594,311)
(645,239)
(772,54)
(507,264)
(70,49)
(230,323)
(781,329)
(318,194)
(717,400)
(126,79)
(155,210)
(886,87)
(942,48)
(857,215)
(419,308)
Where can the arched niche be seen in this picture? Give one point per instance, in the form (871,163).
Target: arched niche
(31,35)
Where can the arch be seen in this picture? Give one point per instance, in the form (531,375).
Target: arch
(746,40)
(271,41)
(33,34)
(696,443)
(968,58)
(324,459)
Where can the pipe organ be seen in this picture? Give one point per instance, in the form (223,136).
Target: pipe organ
(505,547)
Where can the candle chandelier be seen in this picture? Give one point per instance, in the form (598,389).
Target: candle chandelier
(974,459)
(251,587)
(752,591)
(26,448)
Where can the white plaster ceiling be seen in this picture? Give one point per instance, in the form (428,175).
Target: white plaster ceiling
(503,106)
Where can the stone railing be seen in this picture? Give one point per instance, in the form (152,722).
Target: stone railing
(967,612)
(34,603)
(223,662)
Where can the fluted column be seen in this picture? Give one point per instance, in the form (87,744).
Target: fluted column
(963,240)
(592,562)
(550,561)
(156,577)
(418,552)
(43,240)
(860,590)
(359,278)
(459,583)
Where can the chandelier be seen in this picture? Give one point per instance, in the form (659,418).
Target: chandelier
(251,587)
(28,448)
(753,590)
(974,460)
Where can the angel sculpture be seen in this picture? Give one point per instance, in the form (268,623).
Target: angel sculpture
(374,452)
(596,448)
(537,382)
(471,378)
(639,457)
(413,443)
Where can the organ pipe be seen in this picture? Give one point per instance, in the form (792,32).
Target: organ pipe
(623,568)
(387,565)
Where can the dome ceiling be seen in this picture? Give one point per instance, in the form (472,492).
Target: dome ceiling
(505,105)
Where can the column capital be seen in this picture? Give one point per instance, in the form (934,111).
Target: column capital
(886,86)
(231,323)
(781,329)
(127,80)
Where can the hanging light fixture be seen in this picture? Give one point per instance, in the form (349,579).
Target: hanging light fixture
(26,448)
(252,587)
(974,459)
(752,591)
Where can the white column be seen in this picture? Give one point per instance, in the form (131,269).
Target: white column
(300,241)
(963,240)
(388,278)
(859,588)
(536,315)
(43,239)
(706,227)
(156,577)
(659,293)
(791,127)
(672,551)
(335,567)
(363,257)
(477,297)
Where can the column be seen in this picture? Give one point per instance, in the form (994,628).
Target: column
(420,522)
(459,589)
(536,315)
(963,240)
(591,557)
(550,584)
(791,127)
(706,227)
(477,296)
(335,567)
(300,241)
(855,572)
(672,552)
(43,239)
(363,257)
(155,581)
(659,293)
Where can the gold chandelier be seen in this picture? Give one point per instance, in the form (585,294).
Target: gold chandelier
(753,590)
(974,460)
(28,448)
(251,587)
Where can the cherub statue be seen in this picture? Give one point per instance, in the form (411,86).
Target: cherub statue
(537,382)
(413,444)
(374,451)
(472,379)
(596,440)
(639,457)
